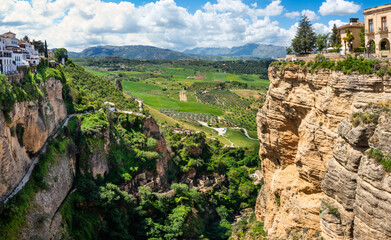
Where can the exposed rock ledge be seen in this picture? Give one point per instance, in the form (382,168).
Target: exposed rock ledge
(38,121)
(297,128)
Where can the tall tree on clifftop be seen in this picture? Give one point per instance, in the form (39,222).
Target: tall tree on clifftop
(305,39)
(334,38)
(46,50)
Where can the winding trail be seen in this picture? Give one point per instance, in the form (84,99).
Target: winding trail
(35,159)
(222,131)
(245,133)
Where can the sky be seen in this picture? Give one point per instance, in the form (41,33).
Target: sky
(172,24)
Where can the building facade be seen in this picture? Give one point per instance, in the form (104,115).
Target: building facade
(15,53)
(6,65)
(354,27)
(377,32)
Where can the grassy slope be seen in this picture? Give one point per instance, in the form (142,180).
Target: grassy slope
(164,119)
(239,139)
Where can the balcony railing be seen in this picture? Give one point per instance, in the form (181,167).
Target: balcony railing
(368,32)
(383,30)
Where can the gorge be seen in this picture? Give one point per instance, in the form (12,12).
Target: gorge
(100,173)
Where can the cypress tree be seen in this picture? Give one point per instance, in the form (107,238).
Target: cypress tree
(46,50)
(334,39)
(305,39)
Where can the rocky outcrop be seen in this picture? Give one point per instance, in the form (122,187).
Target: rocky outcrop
(297,128)
(151,129)
(98,159)
(32,124)
(44,220)
(357,187)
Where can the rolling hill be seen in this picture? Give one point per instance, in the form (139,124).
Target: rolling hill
(249,51)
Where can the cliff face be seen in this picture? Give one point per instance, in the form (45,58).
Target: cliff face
(356,185)
(32,123)
(297,128)
(44,220)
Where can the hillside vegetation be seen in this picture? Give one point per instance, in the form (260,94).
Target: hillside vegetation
(190,90)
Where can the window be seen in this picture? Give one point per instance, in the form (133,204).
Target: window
(370,24)
(384,23)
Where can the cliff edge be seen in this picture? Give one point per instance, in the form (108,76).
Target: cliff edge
(297,128)
(32,124)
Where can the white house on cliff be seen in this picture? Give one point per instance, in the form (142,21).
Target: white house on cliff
(15,53)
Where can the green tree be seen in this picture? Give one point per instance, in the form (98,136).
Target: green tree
(305,39)
(39,46)
(46,49)
(334,38)
(26,39)
(61,53)
(348,40)
(289,50)
(7,96)
(321,41)
(362,37)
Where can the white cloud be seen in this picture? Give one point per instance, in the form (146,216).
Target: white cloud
(292,15)
(77,24)
(336,22)
(338,7)
(310,14)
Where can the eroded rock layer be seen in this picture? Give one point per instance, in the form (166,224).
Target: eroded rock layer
(357,186)
(32,124)
(297,128)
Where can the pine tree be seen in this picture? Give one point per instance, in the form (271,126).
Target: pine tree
(46,50)
(334,39)
(305,39)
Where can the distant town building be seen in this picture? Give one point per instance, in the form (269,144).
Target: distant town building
(16,53)
(51,54)
(355,28)
(377,33)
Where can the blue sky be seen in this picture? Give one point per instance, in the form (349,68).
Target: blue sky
(173,24)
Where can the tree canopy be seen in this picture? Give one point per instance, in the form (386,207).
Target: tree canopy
(305,39)
(348,39)
(321,42)
(334,38)
(61,53)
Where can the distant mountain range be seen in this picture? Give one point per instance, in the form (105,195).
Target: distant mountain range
(249,51)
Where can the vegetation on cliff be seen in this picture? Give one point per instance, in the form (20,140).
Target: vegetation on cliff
(348,66)
(13,213)
(182,213)
(30,88)
(204,187)
(90,92)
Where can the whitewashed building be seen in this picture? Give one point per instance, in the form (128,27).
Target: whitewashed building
(6,65)
(15,53)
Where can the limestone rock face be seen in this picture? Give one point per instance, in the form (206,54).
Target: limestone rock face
(356,186)
(151,129)
(32,123)
(44,220)
(297,128)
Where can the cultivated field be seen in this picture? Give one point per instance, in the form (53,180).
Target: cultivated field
(188,92)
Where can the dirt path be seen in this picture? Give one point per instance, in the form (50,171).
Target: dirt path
(183,96)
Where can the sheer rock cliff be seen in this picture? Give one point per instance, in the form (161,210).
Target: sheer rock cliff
(32,124)
(297,129)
